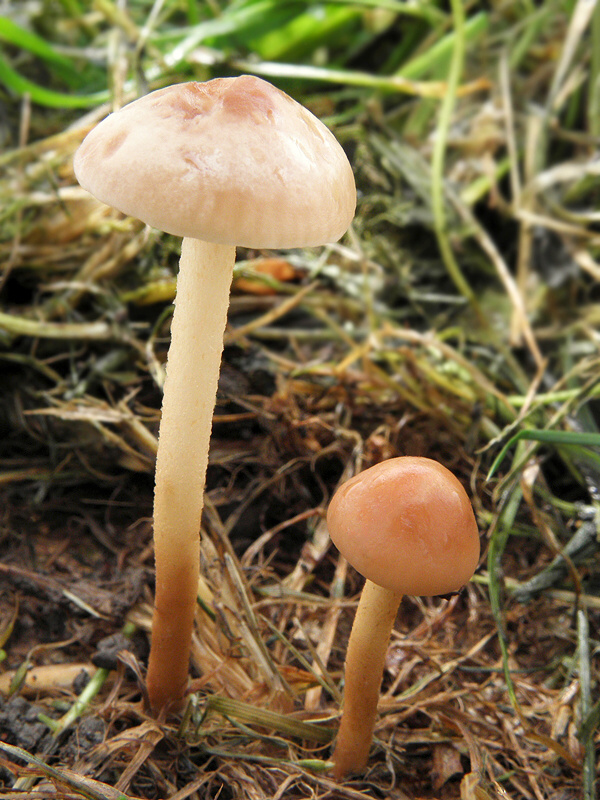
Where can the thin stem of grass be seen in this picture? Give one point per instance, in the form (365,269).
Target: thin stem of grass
(358,78)
(589,759)
(39,329)
(83,701)
(82,787)
(436,56)
(439,155)
(46,97)
(265,718)
(594,92)
(498,541)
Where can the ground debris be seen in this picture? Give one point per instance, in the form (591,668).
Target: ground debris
(20,724)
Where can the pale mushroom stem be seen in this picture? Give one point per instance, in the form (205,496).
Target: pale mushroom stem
(365,661)
(193,365)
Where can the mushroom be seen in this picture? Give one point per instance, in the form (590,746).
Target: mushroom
(408,527)
(232,161)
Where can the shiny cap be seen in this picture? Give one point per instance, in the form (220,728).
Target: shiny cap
(406,524)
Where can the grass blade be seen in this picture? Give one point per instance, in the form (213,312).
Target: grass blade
(587,731)
(570,438)
(13,34)
(46,97)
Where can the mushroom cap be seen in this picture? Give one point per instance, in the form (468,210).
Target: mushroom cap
(233,161)
(407,525)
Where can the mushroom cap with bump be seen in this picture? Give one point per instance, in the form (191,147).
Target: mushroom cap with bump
(407,525)
(233,161)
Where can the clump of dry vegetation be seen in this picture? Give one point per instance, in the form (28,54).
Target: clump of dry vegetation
(457,320)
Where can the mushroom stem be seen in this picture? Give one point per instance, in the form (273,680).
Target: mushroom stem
(199,319)
(365,660)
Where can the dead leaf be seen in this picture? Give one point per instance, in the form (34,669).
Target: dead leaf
(446,765)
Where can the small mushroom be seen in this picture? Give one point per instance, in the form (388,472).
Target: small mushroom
(233,161)
(407,525)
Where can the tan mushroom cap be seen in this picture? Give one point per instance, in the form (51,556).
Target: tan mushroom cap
(406,524)
(233,161)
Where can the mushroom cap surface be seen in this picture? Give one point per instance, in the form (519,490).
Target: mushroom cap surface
(406,524)
(233,161)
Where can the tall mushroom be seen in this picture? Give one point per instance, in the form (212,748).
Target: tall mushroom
(233,161)
(408,527)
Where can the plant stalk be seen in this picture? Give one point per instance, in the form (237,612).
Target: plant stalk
(193,366)
(365,659)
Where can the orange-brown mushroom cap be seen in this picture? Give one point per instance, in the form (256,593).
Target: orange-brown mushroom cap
(407,525)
